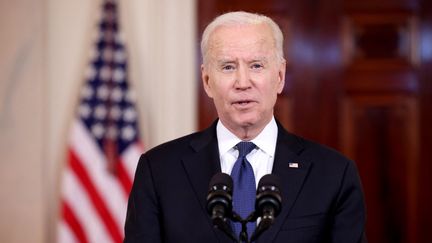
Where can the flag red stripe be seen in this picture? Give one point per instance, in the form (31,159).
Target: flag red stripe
(124,178)
(74,224)
(140,145)
(94,196)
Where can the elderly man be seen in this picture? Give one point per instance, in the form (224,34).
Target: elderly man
(243,71)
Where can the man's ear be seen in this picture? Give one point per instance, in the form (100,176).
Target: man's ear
(281,76)
(206,81)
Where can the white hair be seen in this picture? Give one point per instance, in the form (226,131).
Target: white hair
(242,18)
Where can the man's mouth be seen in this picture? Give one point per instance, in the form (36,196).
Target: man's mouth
(243,103)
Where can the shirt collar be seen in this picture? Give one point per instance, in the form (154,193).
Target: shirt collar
(266,140)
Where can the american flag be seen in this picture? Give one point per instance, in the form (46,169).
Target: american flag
(103,146)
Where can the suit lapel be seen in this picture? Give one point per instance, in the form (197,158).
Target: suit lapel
(292,172)
(200,166)
(203,163)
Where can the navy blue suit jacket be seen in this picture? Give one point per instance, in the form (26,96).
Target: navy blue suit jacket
(322,199)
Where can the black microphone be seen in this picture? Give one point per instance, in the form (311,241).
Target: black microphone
(219,202)
(268,203)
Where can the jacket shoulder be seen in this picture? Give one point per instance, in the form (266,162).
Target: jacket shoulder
(181,146)
(313,151)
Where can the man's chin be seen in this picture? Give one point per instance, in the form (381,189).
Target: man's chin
(247,122)
(251,121)
(244,121)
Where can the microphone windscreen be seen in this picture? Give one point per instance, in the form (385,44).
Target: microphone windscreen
(221,179)
(269,180)
(268,194)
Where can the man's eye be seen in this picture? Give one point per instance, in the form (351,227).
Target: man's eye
(256,66)
(228,68)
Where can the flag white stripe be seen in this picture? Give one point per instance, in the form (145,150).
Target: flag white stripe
(94,162)
(130,159)
(65,234)
(78,200)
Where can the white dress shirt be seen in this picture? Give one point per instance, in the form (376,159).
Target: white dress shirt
(261,158)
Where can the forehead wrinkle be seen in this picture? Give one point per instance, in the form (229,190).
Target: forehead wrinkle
(220,45)
(247,59)
(223,52)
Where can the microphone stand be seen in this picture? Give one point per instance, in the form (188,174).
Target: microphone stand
(243,237)
(224,225)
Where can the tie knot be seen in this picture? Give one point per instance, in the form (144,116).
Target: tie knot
(244,148)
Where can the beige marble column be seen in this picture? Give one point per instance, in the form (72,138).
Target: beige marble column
(22,121)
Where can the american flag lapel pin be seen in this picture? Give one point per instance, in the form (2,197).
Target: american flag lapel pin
(293,165)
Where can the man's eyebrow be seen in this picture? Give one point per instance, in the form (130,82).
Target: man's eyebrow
(225,60)
(259,59)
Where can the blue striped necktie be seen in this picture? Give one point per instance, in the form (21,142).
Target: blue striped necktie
(244,189)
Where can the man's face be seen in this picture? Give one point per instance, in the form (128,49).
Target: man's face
(243,76)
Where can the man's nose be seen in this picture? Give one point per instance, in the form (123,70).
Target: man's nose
(243,78)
